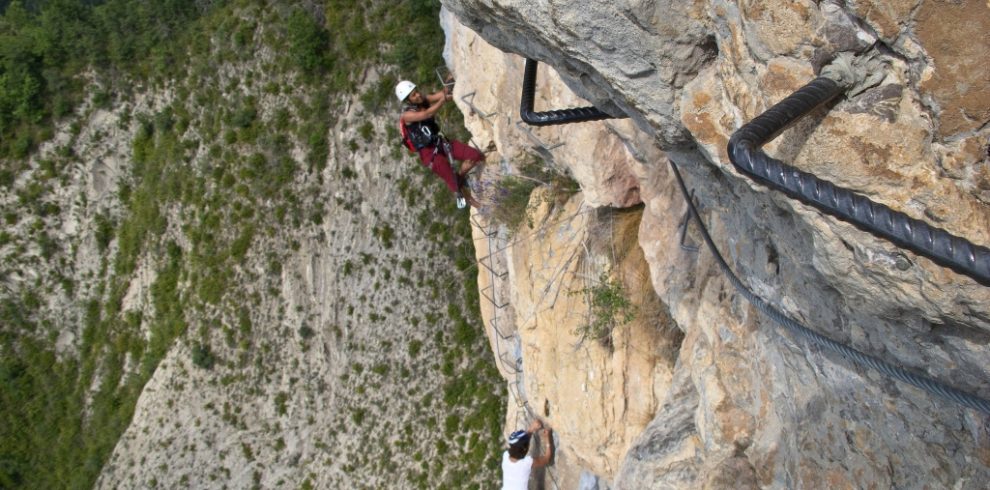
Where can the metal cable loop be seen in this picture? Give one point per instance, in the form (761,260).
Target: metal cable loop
(896,372)
(558,116)
(919,237)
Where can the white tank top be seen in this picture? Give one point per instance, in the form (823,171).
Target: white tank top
(515,476)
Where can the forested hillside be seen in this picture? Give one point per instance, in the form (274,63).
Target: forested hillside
(170,173)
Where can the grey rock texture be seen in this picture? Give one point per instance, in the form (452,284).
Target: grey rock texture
(748,406)
(628,58)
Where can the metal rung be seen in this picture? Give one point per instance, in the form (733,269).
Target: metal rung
(491,299)
(504,336)
(488,258)
(535,139)
(474,109)
(440,76)
(488,230)
(509,363)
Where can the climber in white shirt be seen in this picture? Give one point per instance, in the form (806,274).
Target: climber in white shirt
(517,464)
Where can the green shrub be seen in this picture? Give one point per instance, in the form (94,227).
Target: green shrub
(378,97)
(609,307)
(380,369)
(316,139)
(512,203)
(366,130)
(104,231)
(244,116)
(307,46)
(358,415)
(281,403)
(385,234)
(202,356)
(415,346)
(242,244)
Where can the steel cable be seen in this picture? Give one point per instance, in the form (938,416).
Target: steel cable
(943,248)
(925,383)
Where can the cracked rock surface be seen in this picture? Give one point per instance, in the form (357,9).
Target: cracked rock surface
(742,405)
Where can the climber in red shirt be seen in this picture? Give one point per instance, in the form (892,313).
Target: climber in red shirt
(421,133)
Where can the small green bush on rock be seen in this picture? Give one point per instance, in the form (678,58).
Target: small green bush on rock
(610,307)
(202,356)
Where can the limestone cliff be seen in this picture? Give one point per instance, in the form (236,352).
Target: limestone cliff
(705,391)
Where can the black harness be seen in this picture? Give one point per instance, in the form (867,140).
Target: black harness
(421,134)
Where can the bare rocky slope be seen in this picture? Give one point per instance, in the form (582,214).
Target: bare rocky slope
(702,390)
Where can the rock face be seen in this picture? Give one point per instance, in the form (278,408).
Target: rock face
(735,402)
(599,394)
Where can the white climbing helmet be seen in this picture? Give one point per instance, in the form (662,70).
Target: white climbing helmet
(403,89)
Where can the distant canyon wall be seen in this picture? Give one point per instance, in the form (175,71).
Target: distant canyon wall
(707,391)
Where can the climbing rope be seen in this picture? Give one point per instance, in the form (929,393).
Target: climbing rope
(896,372)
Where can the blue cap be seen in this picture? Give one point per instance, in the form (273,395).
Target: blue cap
(519,438)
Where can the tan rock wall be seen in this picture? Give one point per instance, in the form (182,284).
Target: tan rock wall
(746,405)
(599,397)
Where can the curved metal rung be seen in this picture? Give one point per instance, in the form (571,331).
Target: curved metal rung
(500,275)
(488,258)
(488,230)
(503,336)
(491,299)
(510,364)
(745,153)
(547,118)
(440,76)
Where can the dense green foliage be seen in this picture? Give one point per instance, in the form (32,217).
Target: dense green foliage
(47,443)
(45,48)
(61,415)
(63,449)
(46,45)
